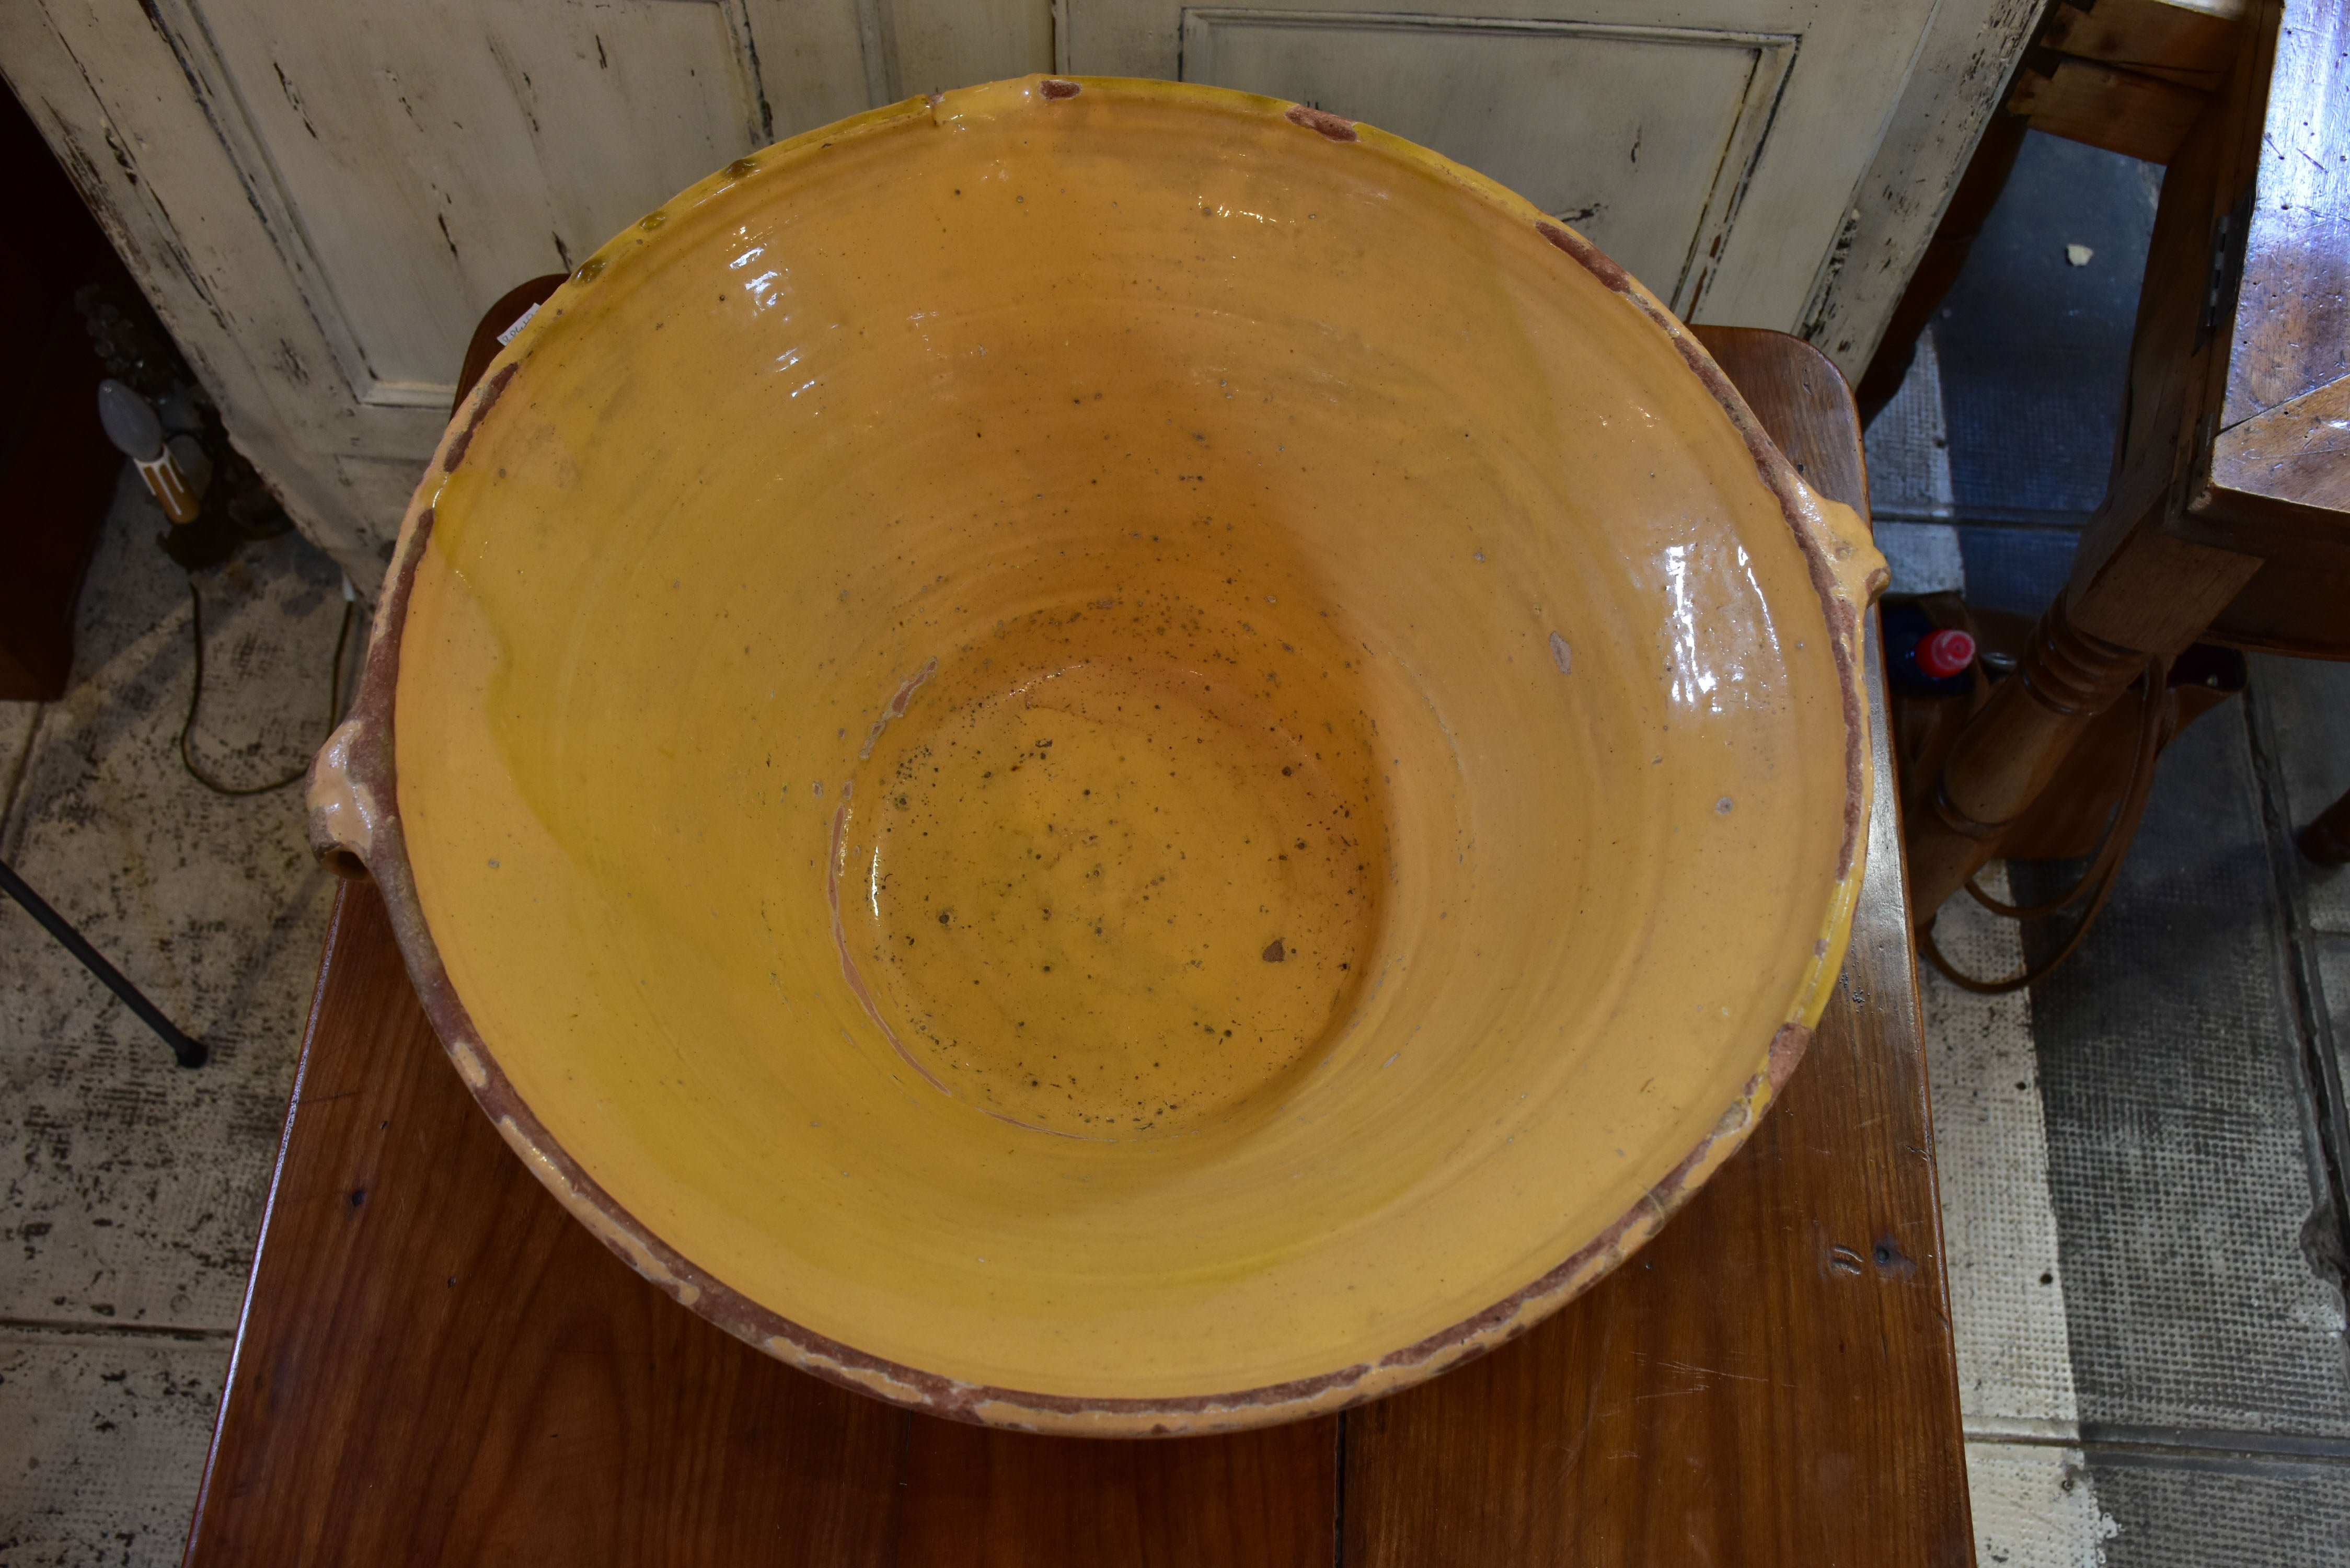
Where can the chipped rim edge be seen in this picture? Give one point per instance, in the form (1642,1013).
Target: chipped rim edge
(356,829)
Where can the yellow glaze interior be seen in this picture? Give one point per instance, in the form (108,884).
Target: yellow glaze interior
(1107,746)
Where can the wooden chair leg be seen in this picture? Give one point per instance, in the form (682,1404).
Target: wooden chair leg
(2326,839)
(2140,590)
(2144,594)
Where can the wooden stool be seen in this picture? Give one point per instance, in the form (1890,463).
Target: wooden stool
(2228,518)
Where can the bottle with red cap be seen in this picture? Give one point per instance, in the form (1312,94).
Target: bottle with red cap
(1923,657)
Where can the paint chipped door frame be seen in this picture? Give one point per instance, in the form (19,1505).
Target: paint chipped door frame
(321,200)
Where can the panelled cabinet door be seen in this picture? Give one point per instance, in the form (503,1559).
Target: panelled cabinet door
(1713,148)
(1642,138)
(428,157)
(412,163)
(320,198)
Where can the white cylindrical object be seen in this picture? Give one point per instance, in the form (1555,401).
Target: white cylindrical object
(131,421)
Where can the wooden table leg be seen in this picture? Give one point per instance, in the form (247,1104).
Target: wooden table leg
(2152,595)
(2326,840)
(2140,587)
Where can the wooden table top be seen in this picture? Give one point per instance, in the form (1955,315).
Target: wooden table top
(437,1365)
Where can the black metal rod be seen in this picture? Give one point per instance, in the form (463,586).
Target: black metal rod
(188,1050)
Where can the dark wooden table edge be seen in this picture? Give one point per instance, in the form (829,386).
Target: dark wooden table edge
(268,1212)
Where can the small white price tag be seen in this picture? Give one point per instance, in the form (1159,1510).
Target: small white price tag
(520,322)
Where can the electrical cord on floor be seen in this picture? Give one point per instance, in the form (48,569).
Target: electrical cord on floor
(2097,884)
(196,698)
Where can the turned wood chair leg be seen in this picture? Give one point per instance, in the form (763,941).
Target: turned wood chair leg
(2135,594)
(2008,752)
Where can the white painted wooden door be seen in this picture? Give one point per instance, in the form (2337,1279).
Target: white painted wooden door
(321,196)
(1717,148)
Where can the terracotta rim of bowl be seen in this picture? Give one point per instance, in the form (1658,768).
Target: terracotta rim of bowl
(356,830)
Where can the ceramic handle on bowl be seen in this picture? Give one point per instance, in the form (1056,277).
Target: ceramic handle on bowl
(344,811)
(352,795)
(1854,559)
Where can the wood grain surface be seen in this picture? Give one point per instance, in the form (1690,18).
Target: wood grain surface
(2275,479)
(2190,44)
(2291,311)
(438,1366)
(2278,482)
(2136,115)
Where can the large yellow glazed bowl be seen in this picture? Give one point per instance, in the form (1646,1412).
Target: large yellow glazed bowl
(1113,757)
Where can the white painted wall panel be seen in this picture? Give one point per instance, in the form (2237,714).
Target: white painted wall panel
(321,199)
(1639,137)
(1780,213)
(434,154)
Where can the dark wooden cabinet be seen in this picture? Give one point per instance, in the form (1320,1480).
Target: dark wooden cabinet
(56,470)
